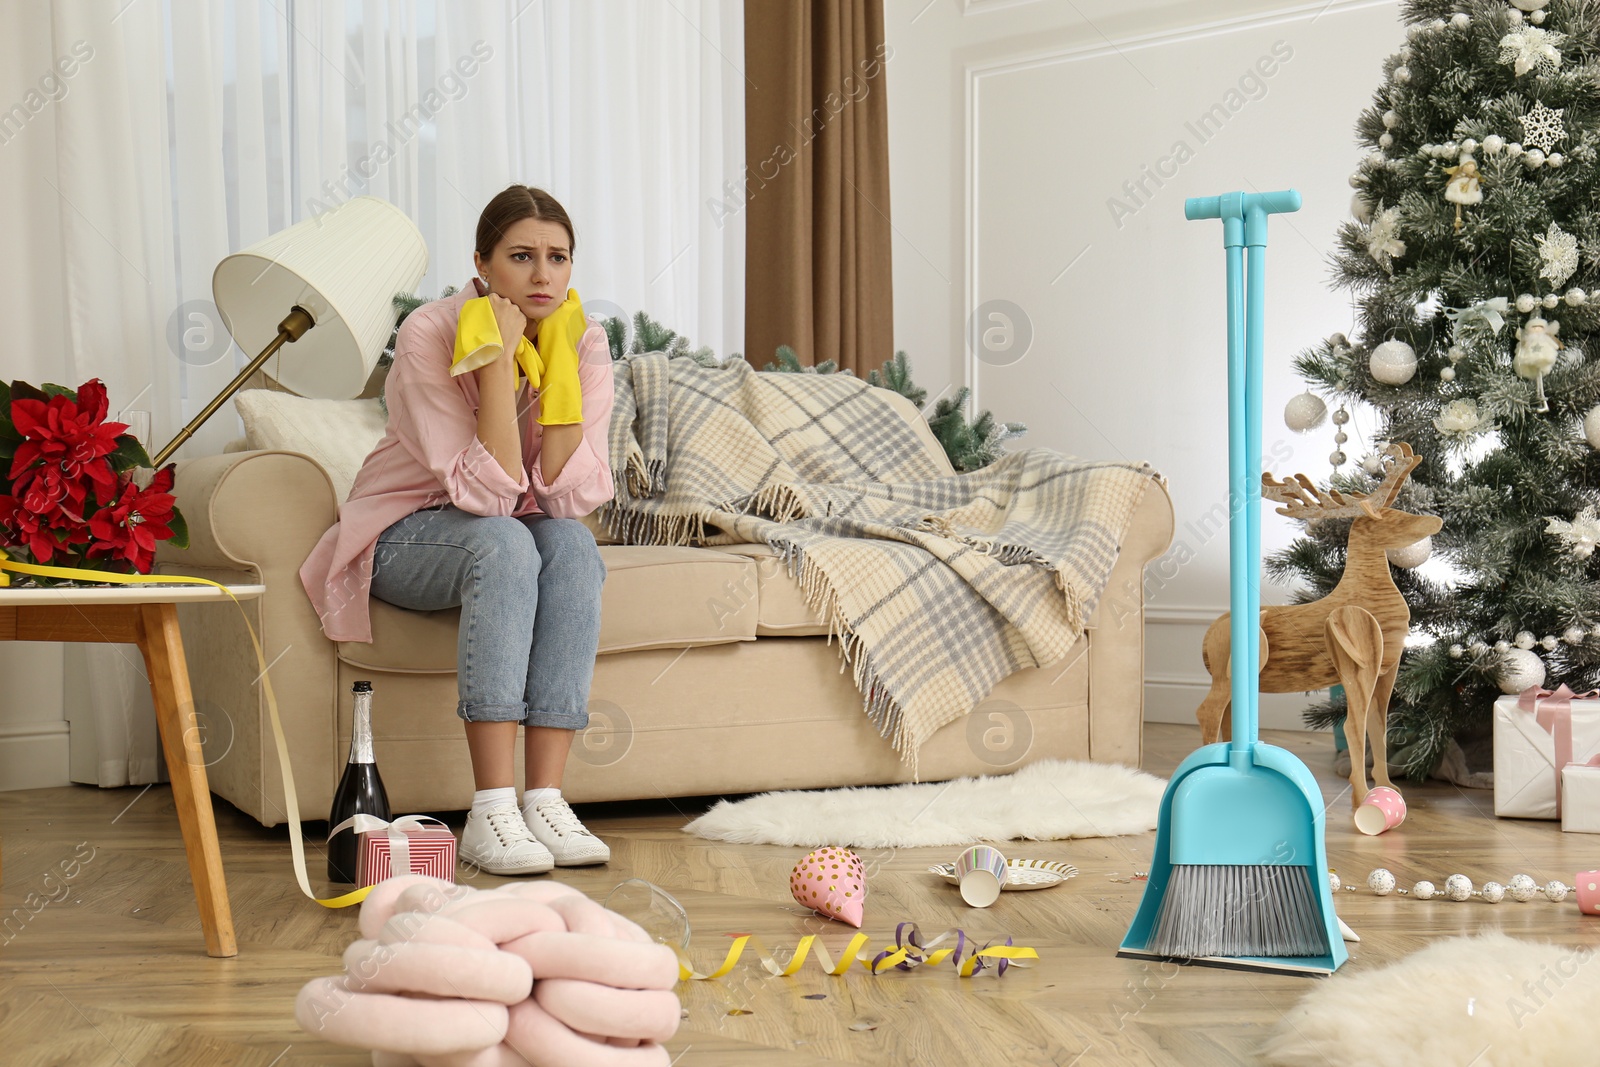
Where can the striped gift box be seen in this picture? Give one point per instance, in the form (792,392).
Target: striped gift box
(428,850)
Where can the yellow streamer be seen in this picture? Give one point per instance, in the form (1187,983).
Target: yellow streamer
(854,952)
(290,797)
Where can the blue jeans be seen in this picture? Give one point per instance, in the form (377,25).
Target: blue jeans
(529,592)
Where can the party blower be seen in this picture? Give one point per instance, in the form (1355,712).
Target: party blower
(1239,875)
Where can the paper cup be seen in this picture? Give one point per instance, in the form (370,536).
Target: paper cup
(1383,809)
(981,870)
(1588,888)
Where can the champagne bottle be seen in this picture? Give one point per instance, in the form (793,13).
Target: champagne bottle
(360,790)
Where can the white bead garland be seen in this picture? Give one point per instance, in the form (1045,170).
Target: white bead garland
(1492,144)
(1458,887)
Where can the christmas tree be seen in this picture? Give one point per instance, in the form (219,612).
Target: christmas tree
(1475,245)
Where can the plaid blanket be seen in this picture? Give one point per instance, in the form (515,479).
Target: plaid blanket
(938,585)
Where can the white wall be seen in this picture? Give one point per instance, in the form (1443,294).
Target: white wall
(1013,124)
(33,726)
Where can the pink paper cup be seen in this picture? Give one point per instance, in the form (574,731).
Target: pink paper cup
(1588,887)
(981,870)
(1382,810)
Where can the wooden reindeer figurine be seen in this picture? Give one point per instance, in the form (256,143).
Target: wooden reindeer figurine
(1353,636)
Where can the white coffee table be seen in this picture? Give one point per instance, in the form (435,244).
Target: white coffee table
(146,615)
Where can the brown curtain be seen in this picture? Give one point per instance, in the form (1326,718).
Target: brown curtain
(817,274)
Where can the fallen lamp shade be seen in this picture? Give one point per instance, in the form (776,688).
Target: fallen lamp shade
(321,291)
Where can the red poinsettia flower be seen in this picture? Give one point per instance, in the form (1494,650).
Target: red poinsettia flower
(129,527)
(70,436)
(42,535)
(50,494)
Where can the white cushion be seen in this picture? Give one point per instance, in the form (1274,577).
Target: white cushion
(338,434)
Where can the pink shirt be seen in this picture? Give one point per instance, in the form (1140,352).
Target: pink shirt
(430,454)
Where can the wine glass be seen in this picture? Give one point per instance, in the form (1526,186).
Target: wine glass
(653,908)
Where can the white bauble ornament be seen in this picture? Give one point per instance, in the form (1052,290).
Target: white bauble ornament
(1494,892)
(1514,149)
(1447,374)
(1393,363)
(1556,892)
(1575,297)
(1514,17)
(1469,145)
(1493,143)
(1423,890)
(1522,888)
(1372,465)
(1381,882)
(1502,647)
(1385,140)
(1391,119)
(1572,356)
(1573,636)
(1456,651)
(1336,457)
(1411,555)
(1526,302)
(1549,642)
(1524,639)
(1549,300)
(1530,5)
(1460,20)
(1333,881)
(1533,158)
(1458,887)
(1520,670)
(1591,428)
(1402,74)
(1555,159)
(1304,412)
(1360,209)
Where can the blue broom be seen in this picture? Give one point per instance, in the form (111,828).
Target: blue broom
(1239,876)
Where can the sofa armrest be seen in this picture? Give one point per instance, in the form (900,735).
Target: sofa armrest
(238,507)
(1117,637)
(254,517)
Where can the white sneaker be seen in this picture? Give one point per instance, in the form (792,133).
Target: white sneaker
(498,841)
(558,829)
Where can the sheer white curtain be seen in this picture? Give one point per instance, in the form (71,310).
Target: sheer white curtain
(630,114)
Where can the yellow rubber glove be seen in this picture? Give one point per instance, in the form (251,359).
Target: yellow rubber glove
(478,342)
(560,391)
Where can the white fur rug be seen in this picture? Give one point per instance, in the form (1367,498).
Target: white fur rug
(1044,801)
(1489,1001)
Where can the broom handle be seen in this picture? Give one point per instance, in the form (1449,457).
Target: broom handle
(1244,224)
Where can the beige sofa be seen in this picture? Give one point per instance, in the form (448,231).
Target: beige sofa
(713,675)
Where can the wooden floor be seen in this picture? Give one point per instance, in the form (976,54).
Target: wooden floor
(113,970)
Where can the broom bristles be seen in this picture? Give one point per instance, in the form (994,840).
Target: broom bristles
(1217,910)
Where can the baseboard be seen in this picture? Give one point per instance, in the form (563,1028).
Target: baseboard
(1175,700)
(33,755)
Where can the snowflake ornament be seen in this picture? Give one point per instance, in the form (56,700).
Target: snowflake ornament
(1383,244)
(1530,48)
(1580,536)
(1559,251)
(1542,127)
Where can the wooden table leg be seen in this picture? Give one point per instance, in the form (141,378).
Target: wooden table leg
(186,766)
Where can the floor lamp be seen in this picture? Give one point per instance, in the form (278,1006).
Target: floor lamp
(323,292)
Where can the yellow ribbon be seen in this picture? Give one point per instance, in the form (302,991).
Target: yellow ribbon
(290,797)
(904,956)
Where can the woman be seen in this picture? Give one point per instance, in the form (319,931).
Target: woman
(499,401)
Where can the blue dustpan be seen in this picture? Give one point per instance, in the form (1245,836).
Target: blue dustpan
(1239,875)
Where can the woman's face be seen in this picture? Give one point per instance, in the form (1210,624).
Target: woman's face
(531,267)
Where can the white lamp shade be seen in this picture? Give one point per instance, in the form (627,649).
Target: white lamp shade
(344,267)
